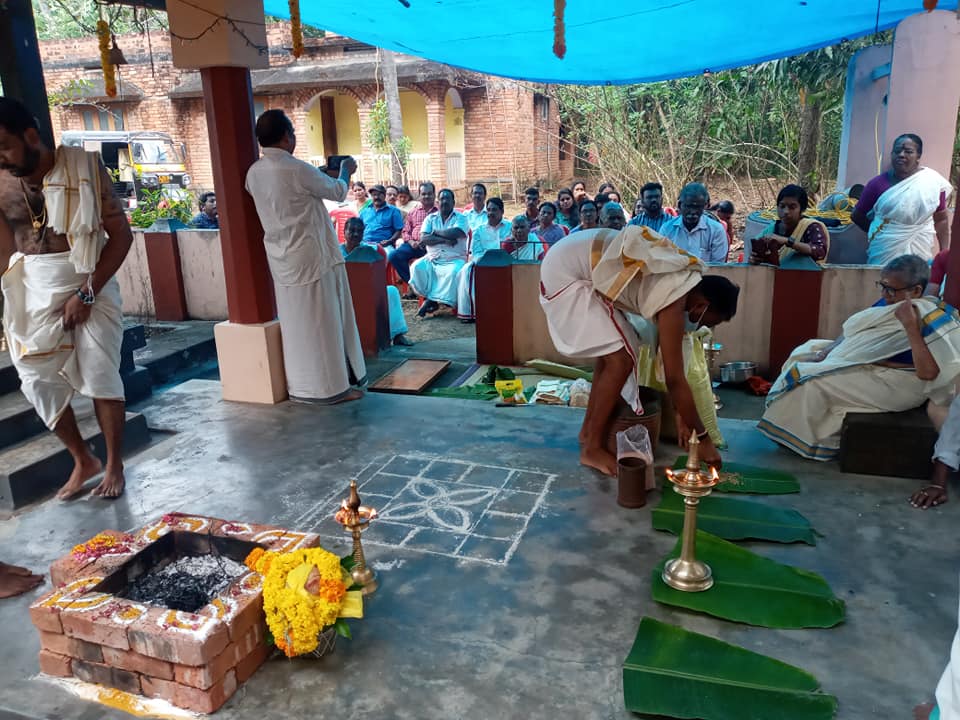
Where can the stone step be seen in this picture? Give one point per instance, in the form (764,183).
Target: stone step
(18,421)
(9,380)
(37,468)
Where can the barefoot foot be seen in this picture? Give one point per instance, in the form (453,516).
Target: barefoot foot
(112,485)
(354,394)
(17,580)
(922,712)
(599,459)
(82,471)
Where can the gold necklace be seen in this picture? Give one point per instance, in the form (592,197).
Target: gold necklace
(37,220)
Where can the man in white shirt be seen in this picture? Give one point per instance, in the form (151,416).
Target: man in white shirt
(434,277)
(692,230)
(321,345)
(476,213)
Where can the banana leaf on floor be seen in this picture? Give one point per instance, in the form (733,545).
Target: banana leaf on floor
(752,589)
(739,478)
(734,519)
(671,671)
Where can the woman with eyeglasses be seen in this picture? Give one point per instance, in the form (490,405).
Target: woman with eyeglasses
(891,357)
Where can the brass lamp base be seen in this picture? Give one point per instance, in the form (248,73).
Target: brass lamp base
(687,575)
(366,579)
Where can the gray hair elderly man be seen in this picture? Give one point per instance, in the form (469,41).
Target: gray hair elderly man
(612,216)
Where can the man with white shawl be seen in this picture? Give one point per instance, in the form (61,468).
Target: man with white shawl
(589,281)
(322,355)
(904,210)
(489,236)
(62,309)
(892,357)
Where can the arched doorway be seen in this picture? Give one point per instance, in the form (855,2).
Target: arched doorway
(333,126)
(456,148)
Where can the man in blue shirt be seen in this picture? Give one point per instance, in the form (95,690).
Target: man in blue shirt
(382,223)
(207,219)
(651,202)
(692,230)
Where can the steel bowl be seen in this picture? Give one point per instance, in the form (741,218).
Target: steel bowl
(737,372)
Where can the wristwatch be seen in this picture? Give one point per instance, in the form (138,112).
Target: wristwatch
(87,298)
(791,242)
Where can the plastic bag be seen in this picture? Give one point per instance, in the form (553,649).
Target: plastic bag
(635,442)
(511,391)
(580,393)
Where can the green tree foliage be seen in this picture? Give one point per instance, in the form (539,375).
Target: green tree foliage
(58,19)
(749,122)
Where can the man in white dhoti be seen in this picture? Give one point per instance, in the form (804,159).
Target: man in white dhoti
(322,355)
(62,309)
(947,694)
(904,210)
(893,356)
(489,236)
(434,276)
(588,281)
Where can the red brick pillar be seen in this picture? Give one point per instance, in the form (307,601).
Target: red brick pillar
(367,273)
(437,137)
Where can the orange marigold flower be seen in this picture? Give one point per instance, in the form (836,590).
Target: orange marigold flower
(253,557)
(332,590)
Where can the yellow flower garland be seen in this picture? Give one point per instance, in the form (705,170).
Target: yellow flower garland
(296,28)
(109,72)
(295,615)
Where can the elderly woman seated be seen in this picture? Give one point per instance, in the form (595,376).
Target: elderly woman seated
(891,357)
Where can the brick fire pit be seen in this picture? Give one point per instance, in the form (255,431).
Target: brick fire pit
(194,660)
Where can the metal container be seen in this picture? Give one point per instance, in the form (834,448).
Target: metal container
(737,372)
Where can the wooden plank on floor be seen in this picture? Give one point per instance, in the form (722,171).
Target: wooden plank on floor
(411,376)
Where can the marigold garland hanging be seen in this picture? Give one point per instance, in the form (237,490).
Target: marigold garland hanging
(109,71)
(296,28)
(559,31)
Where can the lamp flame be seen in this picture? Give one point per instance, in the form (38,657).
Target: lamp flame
(714,475)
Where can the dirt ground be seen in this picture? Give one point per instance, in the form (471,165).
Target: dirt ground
(442,327)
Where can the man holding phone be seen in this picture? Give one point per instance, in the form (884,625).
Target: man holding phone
(322,355)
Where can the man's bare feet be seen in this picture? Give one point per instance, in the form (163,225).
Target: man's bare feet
(352,394)
(922,712)
(82,471)
(599,459)
(112,485)
(16,580)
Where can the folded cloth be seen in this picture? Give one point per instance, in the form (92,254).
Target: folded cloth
(552,392)
(71,191)
(758,386)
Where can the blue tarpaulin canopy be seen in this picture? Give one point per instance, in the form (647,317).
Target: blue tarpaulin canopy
(619,41)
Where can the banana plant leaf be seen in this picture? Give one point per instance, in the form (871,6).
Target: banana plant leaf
(738,478)
(735,519)
(671,671)
(466,392)
(754,590)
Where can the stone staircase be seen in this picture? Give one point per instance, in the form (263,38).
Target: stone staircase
(33,462)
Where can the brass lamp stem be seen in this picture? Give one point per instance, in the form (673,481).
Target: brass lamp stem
(688,553)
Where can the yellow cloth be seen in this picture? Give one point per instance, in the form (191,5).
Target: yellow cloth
(71,191)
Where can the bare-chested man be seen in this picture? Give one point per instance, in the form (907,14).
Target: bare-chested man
(62,310)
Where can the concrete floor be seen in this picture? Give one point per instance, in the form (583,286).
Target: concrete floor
(472,631)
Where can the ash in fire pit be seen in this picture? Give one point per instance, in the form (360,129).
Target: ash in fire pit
(186,584)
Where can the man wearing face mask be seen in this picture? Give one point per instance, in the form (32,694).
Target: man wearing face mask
(693,230)
(587,287)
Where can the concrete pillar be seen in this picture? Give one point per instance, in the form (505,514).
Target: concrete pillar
(367,273)
(248,345)
(925,86)
(166,272)
(864,114)
(437,137)
(21,73)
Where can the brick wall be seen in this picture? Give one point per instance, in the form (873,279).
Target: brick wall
(505,134)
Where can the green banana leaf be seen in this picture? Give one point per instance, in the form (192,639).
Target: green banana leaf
(671,671)
(738,478)
(734,519)
(754,590)
(466,392)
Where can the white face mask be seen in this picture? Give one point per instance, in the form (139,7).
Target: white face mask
(691,326)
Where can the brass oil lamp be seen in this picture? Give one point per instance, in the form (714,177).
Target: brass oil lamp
(686,573)
(355,518)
